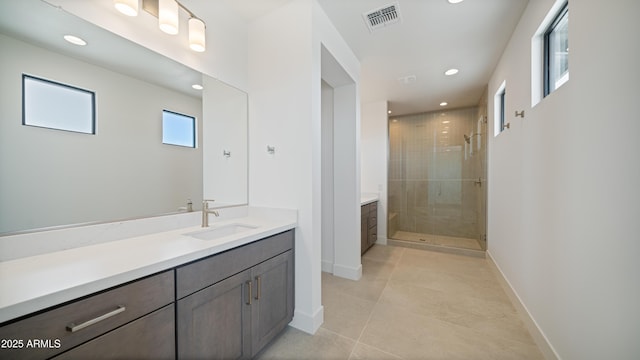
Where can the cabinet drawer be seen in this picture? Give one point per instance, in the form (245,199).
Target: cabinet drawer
(373,207)
(200,274)
(373,236)
(150,337)
(364,211)
(373,221)
(72,324)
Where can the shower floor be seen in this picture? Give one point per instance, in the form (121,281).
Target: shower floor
(448,241)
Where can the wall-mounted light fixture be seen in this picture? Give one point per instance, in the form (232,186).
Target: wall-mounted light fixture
(167,12)
(168,17)
(127,7)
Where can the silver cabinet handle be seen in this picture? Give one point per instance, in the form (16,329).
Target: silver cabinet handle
(259,286)
(249,286)
(72,327)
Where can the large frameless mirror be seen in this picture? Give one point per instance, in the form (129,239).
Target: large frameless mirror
(51,178)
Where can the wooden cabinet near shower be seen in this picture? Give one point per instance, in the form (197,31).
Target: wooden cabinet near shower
(368,226)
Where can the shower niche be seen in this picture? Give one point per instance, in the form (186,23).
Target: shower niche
(437,179)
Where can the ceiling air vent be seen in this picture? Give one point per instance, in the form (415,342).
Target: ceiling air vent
(382,17)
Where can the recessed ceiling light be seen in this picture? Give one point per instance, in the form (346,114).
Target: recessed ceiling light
(446,121)
(75,40)
(389,112)
(444,103)
(445,132)
(451,72)
(197,86)
(454,1)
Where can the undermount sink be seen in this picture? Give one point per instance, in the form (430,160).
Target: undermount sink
(221,231)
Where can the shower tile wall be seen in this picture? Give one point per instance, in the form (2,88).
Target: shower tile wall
(433,173)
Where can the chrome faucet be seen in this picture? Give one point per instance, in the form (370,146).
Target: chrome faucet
(206,212)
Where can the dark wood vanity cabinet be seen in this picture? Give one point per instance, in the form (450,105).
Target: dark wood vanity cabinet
(135,320)
(368,226)
(225,306)
(234,313)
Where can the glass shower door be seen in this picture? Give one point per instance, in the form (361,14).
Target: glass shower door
(436,179)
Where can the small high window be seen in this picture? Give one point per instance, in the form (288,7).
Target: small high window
(502,95)
(499,109)
(556,51)
(53,105)
(178,129)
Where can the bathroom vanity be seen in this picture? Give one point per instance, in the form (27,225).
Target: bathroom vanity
(223,294)
(368,222)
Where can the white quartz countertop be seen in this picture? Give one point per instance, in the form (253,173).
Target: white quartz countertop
(367,198)
(37,282)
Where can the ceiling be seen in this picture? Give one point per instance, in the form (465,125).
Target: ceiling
(432,37)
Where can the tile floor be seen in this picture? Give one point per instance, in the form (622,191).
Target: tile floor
(412,304)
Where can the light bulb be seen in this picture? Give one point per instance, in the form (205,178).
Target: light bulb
(168,16)
(197,35)
(127,7)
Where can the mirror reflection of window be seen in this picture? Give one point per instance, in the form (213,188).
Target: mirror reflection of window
(178,129)
(53,105)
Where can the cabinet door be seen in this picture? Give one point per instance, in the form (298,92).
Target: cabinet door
(273,300)
(364,229)
(214,323)
(150,337)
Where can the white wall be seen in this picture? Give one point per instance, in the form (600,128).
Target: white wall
(374,155)
(328,247)
(285,112)
(564,201)
(52,177)
(282,115)
(346,161)
(225,128)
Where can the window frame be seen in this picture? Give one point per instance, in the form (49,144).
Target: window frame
(547,56)
(500,109)
(502,97)
(194,131)
(26,99)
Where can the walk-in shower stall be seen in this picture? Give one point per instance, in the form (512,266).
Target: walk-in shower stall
(437,179)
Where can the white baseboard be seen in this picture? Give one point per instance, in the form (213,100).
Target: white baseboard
(348,272)
(538,336)
(381,240)
(307,322)
(327,266)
